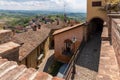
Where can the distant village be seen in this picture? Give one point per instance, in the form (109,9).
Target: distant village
(38,21)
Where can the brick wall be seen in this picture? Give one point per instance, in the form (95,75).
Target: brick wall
(116,38)
(5,36)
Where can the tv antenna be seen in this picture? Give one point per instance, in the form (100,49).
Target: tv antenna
(64,6)
(64,13)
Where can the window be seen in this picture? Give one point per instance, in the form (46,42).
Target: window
(96,3)
(67,50)
(42,48)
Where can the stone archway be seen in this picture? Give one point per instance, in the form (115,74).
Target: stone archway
(95,26)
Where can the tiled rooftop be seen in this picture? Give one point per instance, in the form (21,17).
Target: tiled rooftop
(30,40)
(5,36)
(54,25)
(9,70)
(66,29)
(8,46)
(4,31)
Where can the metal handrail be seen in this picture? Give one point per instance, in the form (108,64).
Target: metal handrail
(71,64)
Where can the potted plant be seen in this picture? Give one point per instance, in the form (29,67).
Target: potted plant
(112,6)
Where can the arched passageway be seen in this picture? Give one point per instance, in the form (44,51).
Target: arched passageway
(95,26)
(87,62)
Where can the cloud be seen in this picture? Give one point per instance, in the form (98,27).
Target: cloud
(51,5)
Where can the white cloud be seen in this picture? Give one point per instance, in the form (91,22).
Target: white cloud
(55,5)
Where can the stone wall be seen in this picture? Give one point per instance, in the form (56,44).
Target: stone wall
(116,37)
(5,36)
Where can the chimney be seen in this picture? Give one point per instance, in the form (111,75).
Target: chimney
(13,31)
(5,36)
(10,51)
(39,26)
(57,21)
(35,28)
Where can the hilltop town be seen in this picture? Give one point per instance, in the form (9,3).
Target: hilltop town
(55,48)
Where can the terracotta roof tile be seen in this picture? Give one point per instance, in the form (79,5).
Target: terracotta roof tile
(27,74)
(14,73)
(43,76)
(56,78)
(2,61)
(66,29)
(54,25)
(9,70)
(30,40)
(7,66)
(5,36)
(4,31)
(8,46)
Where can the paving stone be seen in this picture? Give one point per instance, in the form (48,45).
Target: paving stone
(88,60)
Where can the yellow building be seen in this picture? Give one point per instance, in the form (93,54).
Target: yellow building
(95,16)
(93,10)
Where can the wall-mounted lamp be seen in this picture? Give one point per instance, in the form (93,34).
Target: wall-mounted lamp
(74,39)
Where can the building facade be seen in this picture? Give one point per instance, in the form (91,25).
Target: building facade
(94,10)
(96,17)
(67,41)
(34,46)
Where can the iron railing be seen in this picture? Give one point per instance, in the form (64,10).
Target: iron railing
(70,69)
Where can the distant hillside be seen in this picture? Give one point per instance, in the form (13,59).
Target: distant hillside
(78,16)
(16,13)
(16,17)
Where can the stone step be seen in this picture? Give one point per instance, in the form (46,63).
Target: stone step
(14,73)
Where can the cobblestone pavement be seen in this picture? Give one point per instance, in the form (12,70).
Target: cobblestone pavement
(88,60)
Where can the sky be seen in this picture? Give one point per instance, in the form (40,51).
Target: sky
(45,5)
